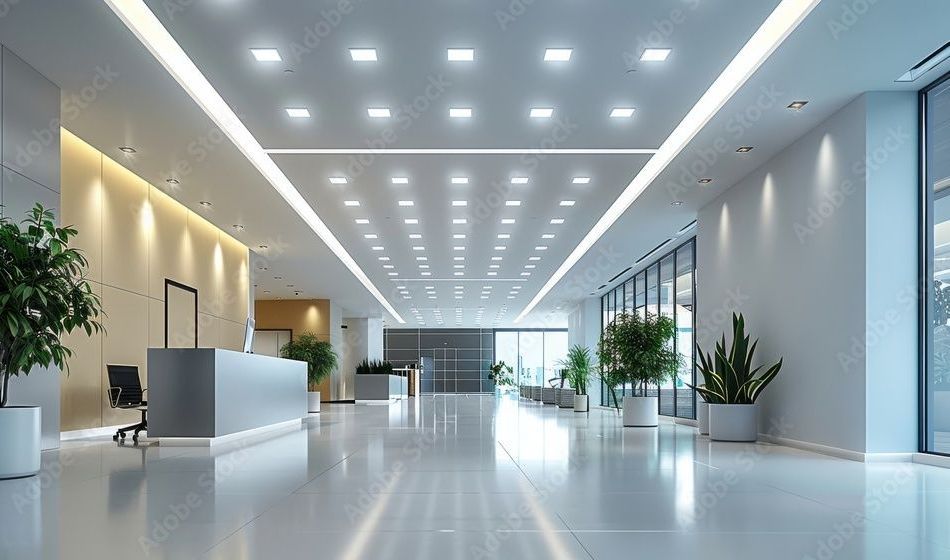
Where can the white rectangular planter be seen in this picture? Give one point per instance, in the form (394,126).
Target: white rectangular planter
(313,401)
(581,403)
(734,422)
(19,441)
(702,417)
(640,412)
(547,395)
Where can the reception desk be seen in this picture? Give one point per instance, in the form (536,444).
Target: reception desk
(207,394)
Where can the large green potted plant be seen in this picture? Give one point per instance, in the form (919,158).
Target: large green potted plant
(44,296)
(579,366)
(321,360)
(641,349)
(501,375)
(731,386)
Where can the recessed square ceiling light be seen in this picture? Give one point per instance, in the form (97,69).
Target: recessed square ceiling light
(500,247)
(458,274)
(388,266)
(458,248)
(361,221)
(460,55)
(526,274)
(415,236)
(298,112)
(557,221)
(541,112)
(511,297)
(797,105)
(512,203)
(580,180)
(655,55)
(393,273)
(383,258)
(507,221)
(458,297)
(363,55)
(422,258)
(557,55)
(458,266)
(458,236)
(497,258)
(621,112)
(519,180)
(504,236)
(400,180)
(494,266)
(530,266)
(406,203)
(351,203)
(744,149)
(426,274)
(534,258)
(411,221)
(460,112)
(370,236)
(337,180)
(704,181)
(459,221)
(378,112)
(459,180)
(423,266)
(459,203)
(266,55)
(458,258)
(492,274)
(483,297)
(541,248)
(547,236)
(377,248)
(418,248)
(567,203)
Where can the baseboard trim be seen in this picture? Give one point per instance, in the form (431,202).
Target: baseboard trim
(89,433)
(264,431)
(840,453)
(932,460)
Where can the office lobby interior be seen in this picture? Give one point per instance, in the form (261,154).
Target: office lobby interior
(474,279)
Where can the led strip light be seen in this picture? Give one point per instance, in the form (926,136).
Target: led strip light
(774,30)
(463,151)
(150,31)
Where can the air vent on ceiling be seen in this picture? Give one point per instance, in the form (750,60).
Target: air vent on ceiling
(619,274)
(686,228)
(654,250)
(602,286)
(927,64)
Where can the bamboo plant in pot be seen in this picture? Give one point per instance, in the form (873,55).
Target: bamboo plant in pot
(640,347)
(44,295)
(732,386)
(321,360)
(579,365)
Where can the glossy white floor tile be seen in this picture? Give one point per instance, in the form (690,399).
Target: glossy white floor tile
(471,477)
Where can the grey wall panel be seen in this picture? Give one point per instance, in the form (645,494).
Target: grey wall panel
(460,357)
(30,125)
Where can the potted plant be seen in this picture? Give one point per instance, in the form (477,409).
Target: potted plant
(501,375)
(44,296)
(321,361)
(732,386)
(641,350)
(579,366)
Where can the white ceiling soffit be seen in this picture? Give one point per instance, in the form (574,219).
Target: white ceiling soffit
(150,31)
(774,30)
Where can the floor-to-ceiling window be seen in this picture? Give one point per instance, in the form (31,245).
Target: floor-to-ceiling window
(533,354)
(664,286)
(935,409)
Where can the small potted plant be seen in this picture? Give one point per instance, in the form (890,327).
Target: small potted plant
(579,367)
(732,386)
(641,351)
(44,295)
(321,361)
(501,375)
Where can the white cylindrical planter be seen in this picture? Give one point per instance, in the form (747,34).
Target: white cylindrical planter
(702,417)
(581,403)
(19,441)
(734,422)
(313,401)
(640,412)
(566,400)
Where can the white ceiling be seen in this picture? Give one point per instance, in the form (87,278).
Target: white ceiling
(145,108)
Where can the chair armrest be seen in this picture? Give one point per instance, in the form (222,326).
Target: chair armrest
(113,394)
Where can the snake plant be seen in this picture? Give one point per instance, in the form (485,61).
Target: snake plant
(730,378)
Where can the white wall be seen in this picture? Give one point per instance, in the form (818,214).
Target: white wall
(362,340)
(797,247)
(337,381)
(583,327)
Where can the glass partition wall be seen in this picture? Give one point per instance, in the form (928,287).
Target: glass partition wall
(532,353)
(935,268)
(664,287)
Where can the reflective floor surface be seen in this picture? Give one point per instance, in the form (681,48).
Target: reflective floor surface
(472,477)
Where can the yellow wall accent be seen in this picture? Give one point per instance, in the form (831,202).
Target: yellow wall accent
(299,316)
(135,236)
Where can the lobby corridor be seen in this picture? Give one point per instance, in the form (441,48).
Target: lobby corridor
(471,476)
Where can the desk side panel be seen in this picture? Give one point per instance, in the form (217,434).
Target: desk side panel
(253,391)
(180,395)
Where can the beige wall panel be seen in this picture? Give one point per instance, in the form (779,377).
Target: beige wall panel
(231,335)
(209,331)
(170,245)
(82,389)
(298,315)
(81,198)
(156,323)
(125,342)
(208,264)
(126,226)
(234,283)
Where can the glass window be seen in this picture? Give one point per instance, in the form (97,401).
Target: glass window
(531,354)
(641,292)
(506,349)
(685,344)
(555,350)
(665,293)
(628,296)
(936,151)
(653,298)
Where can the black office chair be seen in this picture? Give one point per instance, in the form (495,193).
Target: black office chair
(125,391)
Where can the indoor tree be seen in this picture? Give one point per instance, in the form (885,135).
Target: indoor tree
(44,295)
(501,374)
(637,349)
(319,355)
